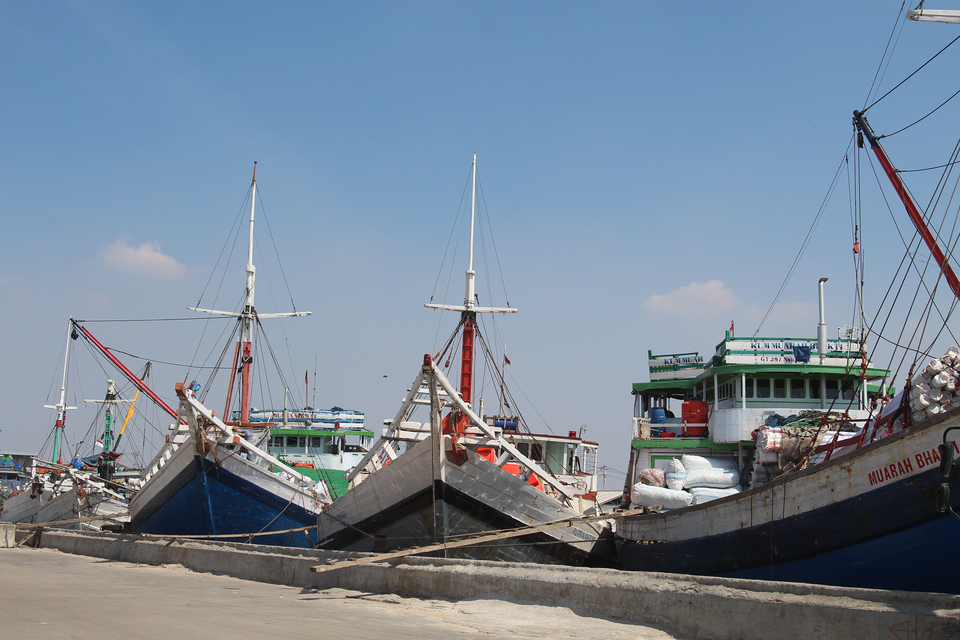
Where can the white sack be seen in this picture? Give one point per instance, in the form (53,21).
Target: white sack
(647,496)
(675,475)
(711,478)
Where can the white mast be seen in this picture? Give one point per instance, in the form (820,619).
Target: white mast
(471,274)
(469,311)
(468,303)
(247,318)
(61,406)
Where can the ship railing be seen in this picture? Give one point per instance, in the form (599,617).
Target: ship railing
(432,387)
(206,424)
(827,449)
(641,428)
(171,444)
(408,432)
(581,482)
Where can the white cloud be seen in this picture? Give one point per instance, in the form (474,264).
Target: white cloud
(696,297)
(147,259)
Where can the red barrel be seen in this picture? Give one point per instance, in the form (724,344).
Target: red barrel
(694,412)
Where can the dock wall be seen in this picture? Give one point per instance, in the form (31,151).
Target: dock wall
(694,607)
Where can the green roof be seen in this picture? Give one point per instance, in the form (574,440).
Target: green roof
(789,370)
(321,432)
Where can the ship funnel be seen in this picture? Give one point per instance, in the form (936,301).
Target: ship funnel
(822,348)
(822,328)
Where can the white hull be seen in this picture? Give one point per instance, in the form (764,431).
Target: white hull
(62,501)
(852,511)
(403,505)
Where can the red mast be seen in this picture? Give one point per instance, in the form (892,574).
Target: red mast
(466,361)
(915,216)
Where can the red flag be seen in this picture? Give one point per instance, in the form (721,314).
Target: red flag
(306,380)
(506,360)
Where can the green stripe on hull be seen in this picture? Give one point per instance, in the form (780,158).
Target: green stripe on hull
(334,478)
(684,443)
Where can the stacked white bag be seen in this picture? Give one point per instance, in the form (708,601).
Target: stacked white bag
(766,464)
(934,390)
(690,480)
(649,496)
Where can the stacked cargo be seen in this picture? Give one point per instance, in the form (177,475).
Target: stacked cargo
(689,480)
(934,390)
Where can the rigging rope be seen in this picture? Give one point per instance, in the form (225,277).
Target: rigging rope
(899,84)
(805,243)
(877,76)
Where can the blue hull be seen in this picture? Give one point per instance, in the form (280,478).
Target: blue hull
(918,559)
(888,538)
(204,499)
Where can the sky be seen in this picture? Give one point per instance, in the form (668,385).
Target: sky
(649,173)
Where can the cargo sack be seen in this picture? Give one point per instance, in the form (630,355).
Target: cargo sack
(676,473)
(647,496)
(652,477)
(711,478)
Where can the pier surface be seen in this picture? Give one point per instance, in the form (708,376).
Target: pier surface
(104,576)
(45,593)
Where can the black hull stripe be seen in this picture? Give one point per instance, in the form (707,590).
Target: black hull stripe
(420,507)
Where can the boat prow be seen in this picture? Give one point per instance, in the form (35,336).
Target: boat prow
(447,486)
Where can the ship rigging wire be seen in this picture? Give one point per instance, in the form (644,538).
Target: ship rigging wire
(803,246)
(892,40)
(856,217)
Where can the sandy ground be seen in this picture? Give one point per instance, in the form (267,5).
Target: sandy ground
(45,593)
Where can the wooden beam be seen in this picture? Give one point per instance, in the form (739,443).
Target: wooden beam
(467,542)
(55,523)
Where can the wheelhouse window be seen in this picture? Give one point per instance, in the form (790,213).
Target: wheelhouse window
(846,390)
(534,452)
(763,388)
(798,389)
(779,388)
(833,389)
(724,391)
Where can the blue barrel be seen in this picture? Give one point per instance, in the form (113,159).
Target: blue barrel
(507,425)
(658,416)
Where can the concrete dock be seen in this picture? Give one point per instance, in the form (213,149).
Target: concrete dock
(49,594)
(521,599)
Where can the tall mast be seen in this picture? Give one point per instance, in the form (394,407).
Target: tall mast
(915,216)
(468,298)
(469,310)
(469,317)
(247,317)
(243,357)
(108,401)
(61,406)
(105,467)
